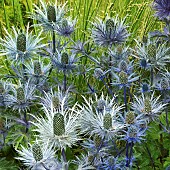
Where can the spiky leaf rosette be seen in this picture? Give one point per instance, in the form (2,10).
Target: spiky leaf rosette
(21,42)
(37,68)
(20,94)
(107,121)
(37,152)
(51,13)
(64,58)
(58,124)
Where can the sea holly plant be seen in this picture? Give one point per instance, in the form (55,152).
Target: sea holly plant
(48,125)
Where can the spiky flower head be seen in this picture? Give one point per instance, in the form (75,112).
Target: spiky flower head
(59,127)
(21,46)
(123,77)
(164,84)
(97,140)
(65,27)
(64,61)
(152,54)
(37,68)
(99,73)
(130,117)
(152,51)
(51,13)
(37,152)
(145,88)
(48,15)
(58,124)
(37,155)
(22,97)
(102,124)
(21,42)
(20,94)
(134,134)
(148,106)
(110,32)
(64,58)
(107,121)
(162,8)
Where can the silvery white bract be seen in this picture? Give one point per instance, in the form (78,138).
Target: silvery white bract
(48,15)
(21,96)
(103,124)
(112,31)
(59,127)
(148,106)
(152,54)
(21,46)
(38,156)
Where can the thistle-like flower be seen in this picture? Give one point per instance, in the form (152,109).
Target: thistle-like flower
(58,127)
(55,99)
(110,32)
(123,79)
(148,106)
(83,163)
(134,134)
(65,27)
(38,156)
(37,70)
(21,46)
(49,16)
(162,8)
(163,84)
(21,96)
(123,66)
(152,54)
(102,124)
(64,61)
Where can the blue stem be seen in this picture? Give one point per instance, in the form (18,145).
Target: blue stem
(125,101)
(127,154)
(64,158)
(65,81)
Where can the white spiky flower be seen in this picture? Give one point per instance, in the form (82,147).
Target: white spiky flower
(59,127)
(37,156)
(55,99)
(103,124)
(149,106)
(22,45)
(49,15)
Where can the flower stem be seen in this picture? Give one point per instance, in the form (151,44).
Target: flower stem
(26,122)
(151,74)
(125,100)
(64,158)
(65,81)
(54,50)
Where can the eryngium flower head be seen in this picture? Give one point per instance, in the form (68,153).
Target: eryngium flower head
(110,32)
(162,8)
(37,70)
(49,16)
(21,97)
(152,54)
(149,106)
(37,155)
(123,79)
(58,127)
(55,99)
(21,46)
(163,84)
(65,27)
(134,134)
(96,123)
(64,61)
